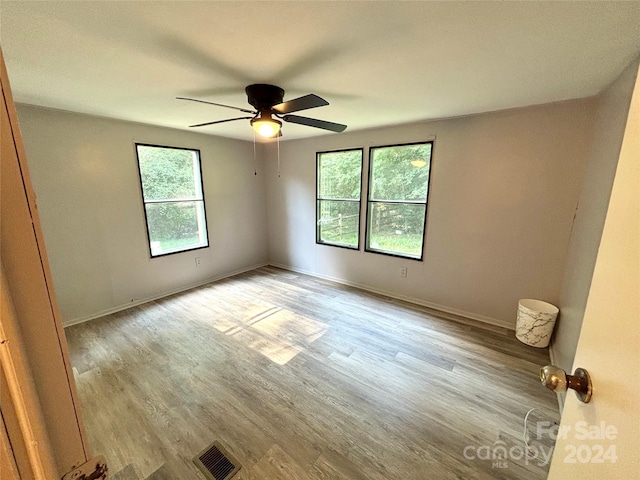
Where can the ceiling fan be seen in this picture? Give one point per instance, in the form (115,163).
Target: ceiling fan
(268,103)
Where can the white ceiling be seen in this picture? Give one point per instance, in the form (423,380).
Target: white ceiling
(377,63)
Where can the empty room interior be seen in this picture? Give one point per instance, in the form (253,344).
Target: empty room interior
(367,289)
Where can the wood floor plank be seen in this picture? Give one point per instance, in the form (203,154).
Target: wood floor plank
(333,466)
(127,473)
(302,378)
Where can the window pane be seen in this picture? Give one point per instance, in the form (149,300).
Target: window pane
(396,228)
(173,198)
(339,174)
(400,173)
(169,173)
(176,226)
(339,222)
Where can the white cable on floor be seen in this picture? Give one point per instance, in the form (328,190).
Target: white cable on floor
(525,434)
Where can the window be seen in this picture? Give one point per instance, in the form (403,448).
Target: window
(397,199)
(171,182)
(339,177)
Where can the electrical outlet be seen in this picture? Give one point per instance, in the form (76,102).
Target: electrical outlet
(403,272)
(198,261)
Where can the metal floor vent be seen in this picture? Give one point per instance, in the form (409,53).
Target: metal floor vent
(216,463)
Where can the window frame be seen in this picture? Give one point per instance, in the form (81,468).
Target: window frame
(369,202)
(145,202)
(359,201)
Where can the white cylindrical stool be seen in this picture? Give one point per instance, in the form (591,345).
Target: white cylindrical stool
(535,322)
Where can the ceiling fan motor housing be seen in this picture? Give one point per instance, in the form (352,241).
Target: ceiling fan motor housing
(262,96)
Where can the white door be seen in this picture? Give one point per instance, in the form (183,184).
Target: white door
(601,439)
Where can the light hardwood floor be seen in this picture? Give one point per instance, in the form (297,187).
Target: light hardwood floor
(301,378)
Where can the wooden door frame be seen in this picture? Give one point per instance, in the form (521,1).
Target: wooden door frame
(22,405)
(33,349)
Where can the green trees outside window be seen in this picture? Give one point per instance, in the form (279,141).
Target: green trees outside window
(339,178)
(171,183)
(397,199)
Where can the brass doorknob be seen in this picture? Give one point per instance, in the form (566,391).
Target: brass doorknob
(557,380)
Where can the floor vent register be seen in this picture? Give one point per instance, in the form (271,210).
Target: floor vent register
(216,463)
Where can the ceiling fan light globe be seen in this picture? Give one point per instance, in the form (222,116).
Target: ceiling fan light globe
(268,128)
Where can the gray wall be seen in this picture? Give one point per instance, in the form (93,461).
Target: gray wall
(505,188)
(85,176)
(504,191)
(610,121)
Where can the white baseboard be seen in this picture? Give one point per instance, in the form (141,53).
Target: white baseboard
(434,306)
(140,301)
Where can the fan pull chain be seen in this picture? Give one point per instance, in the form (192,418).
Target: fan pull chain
(255,158)
(278,140)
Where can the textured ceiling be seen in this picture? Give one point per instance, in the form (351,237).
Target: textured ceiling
(377,63)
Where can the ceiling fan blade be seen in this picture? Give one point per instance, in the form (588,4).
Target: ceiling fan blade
(312,122)
(219,121)
(217,104)
(300,103)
